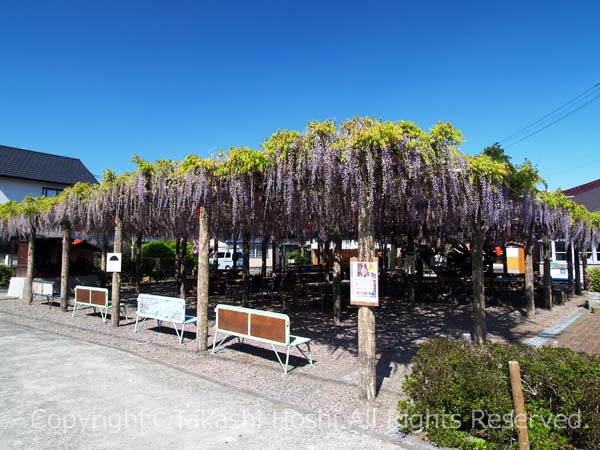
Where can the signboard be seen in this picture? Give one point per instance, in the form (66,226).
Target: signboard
(161,308)
(515,260)
(364,283)
(113,262)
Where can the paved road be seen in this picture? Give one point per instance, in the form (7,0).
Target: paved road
(59,393)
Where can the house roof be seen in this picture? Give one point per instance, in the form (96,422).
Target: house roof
(31,165)
(583,188)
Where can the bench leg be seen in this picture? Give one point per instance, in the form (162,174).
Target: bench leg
(309,357)
(279,359)
(215,349)
(74,309)
(180,336)
(137,318)
(103,314)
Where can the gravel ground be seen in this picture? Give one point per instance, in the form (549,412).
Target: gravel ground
(329,386)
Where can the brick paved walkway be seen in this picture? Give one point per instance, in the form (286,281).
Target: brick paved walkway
(582,335)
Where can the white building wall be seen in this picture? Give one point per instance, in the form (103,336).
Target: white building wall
(16,190)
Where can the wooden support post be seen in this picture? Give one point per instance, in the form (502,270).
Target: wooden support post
(103,261)
(246,272)
(137,258)
(183,269)
(529,281)
(367,348)
(547,273)
(64,268)
(479,325)
(30,266)
(584,258)
(216,251)
(337,280)
(263,254)
(577,270)
(115,314)
(570,290)
(202,286)
(519,404)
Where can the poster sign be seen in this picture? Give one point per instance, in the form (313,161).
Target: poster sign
(364,283)
(113,262)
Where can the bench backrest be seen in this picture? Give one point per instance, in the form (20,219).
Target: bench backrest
(90,295)
(161,308)
(42,287)
(263,326)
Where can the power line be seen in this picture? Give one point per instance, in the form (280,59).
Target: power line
(564,116)
(550,114)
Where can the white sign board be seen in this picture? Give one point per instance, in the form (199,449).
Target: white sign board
(364,284)
(113,262)
(161,308)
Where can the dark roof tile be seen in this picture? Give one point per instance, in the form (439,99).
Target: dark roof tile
(31,165)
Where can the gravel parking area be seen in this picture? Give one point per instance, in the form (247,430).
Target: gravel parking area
(329,386)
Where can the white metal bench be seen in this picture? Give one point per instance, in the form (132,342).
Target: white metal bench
(94,297)
(43,288)
(261,326)
(160,308)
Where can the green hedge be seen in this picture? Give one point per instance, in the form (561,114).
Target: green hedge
(6,273)
(460,394)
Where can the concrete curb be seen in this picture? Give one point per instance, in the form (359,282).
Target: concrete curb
(554,330)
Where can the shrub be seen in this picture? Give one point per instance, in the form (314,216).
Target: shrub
(592,279)
(6,273)
(296,255)
(158,259)
(464,382)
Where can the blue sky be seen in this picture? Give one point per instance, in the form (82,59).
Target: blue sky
(104,80)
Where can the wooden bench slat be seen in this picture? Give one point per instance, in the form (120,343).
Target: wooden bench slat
(234,321)
(270,328)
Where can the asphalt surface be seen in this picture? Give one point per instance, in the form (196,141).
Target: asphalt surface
(60,393)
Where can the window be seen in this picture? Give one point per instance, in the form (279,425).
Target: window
(256,251)
(560,251)
(50,192)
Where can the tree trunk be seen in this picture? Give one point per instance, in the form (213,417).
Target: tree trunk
(178,259)
(263,253)
(529,281)
(569,270)
(183,268)
(30,267)
(115,314)
(410,278)
(64,269)
(577,271)
(479,326)
(216,251)
(584,267)
(103,262)
(548,301)
(393,256)
(137,253)
(280,256)
(337,280)
(202,287)
(367,351)
(234,255)
(246,273)
(273,257)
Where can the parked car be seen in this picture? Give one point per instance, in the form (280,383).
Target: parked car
(226,259)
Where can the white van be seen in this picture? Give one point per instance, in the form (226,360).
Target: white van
(226,258)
